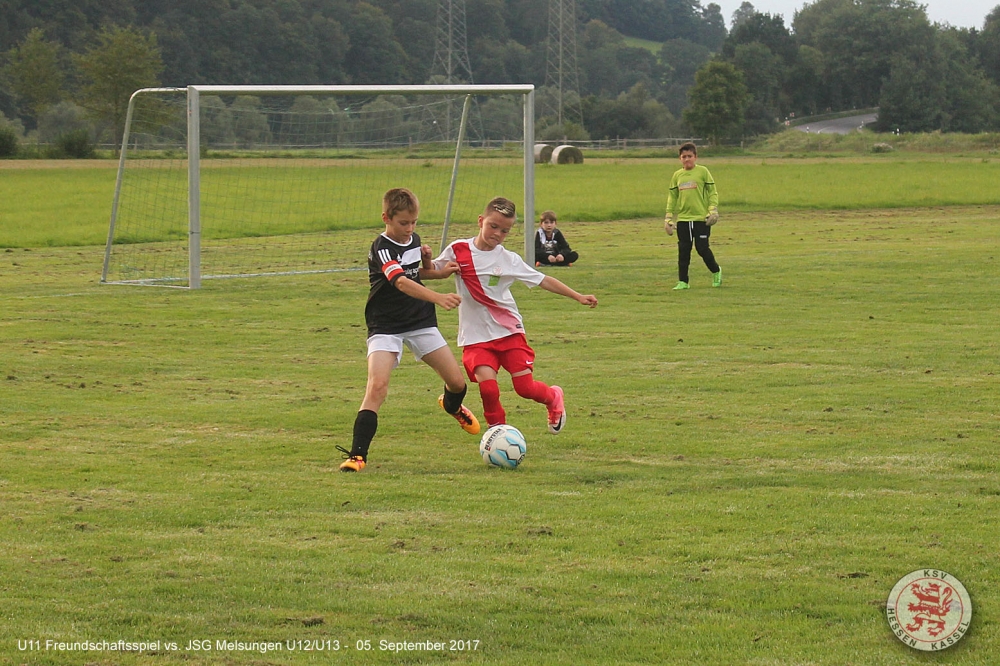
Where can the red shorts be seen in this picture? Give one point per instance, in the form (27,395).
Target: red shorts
(511,353)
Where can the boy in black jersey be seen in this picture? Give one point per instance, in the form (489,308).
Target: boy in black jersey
(400,311)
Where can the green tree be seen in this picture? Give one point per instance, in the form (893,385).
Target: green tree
(719,100)
(744,12)
(912,100)
(498,62)
(861,40)
(988,45)
(374,55)
(633,115)
(34,74)
(939,89)
(762,29)
(62,118)
(971,98)
(764,75)
(713,28)
(804,81)
(681,59)
(122,61)
(250,122)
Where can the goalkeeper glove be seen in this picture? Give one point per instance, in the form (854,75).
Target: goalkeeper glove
(668,224)
(713,216)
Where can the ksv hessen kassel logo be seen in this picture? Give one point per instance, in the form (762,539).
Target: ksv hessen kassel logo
(929,609)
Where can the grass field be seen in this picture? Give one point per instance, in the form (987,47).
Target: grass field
(744,475)
(60,207)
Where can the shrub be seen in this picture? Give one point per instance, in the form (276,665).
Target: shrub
(60,119)
(881,148)
(8,141)
(75,144)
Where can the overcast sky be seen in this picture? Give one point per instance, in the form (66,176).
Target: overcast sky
(960,13)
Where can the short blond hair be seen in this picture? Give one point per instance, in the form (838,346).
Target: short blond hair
(397,200)
(501,205)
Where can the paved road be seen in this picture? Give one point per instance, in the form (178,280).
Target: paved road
(838,125)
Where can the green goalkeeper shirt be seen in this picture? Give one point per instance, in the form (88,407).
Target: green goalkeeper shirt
(692,194)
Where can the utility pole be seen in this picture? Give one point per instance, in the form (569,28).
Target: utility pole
(561,76)
(451,66)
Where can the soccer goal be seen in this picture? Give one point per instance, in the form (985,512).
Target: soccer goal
(239,181)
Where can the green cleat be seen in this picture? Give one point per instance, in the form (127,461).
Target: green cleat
(682,285)
(717,278)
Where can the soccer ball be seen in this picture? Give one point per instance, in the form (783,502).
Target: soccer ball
(503,446)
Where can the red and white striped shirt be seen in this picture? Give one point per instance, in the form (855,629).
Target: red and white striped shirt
(488,311)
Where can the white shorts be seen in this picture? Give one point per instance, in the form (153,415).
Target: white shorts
(421,342)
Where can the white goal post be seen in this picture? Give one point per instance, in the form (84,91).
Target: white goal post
(232,181)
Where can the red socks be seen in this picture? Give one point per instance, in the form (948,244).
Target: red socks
(489,390)
(527,387)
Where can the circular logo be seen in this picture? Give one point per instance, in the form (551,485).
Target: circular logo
(929,610)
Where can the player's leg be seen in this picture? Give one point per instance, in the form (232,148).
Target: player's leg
(552,397)
(568,259)
(380,366)
(518,358)
(489,392)
(482,363)
(685,240)
(702,233)
(443,362)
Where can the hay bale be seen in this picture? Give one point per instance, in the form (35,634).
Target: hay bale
(543,153)
(567,154)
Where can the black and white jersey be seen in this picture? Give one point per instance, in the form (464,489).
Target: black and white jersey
(389,310)
(548,246)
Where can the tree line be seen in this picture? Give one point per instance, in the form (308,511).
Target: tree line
(851,54)
(69,64)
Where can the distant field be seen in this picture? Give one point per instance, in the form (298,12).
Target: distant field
(42,207)
(648,44)
(744,474)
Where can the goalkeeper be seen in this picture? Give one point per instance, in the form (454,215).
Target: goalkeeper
(692,209)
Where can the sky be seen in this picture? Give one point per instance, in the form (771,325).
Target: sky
(959,13)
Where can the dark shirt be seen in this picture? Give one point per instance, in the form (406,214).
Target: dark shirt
(388,309)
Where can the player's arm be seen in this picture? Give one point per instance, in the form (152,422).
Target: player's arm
(439,268)
(670,219)
(557,287)
(419,291)
(562,243)
(712,195)
(435,273)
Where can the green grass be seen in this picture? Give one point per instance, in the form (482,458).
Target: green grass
(744,475)
(62,207)
(648,44)
(922,146)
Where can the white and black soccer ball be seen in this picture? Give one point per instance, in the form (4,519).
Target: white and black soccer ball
(503,446)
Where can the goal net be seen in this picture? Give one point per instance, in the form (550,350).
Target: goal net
(236,181)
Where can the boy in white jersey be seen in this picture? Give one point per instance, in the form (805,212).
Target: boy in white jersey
(490,329)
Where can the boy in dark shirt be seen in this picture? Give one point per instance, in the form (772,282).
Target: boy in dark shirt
(551,248)
(400,311)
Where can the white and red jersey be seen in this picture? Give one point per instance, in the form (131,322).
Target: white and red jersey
(488,311)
